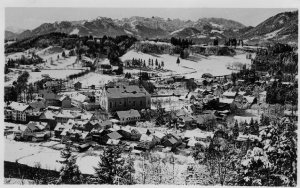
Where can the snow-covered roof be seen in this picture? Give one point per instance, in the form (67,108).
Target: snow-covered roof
(19,127)
(197,133)
(229,94)
(18,106)
(159,134)
(249,99)
(145,137)
(78,97)
(227,101)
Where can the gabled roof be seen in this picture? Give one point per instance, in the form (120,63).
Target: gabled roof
(19,106)
(249,99)
(187,118)
(105,123)
(145,137)
(48,115)
(159,134)
(129,113)
(229,94)
(197,133)
(114,135)
(60,97)
(21,127)
(172,140)
(37,104)
(226,101)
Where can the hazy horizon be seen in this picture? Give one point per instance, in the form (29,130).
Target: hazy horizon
(30,18)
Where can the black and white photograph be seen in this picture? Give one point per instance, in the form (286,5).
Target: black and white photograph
(150,93)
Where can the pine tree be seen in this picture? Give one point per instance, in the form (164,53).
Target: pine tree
(63,54)
(69,173)
(156,62)
(162,64)
(235,130)
(113,168)
(178,61)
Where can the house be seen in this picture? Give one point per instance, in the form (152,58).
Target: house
(93,124)
(227,85)
(37,106)
(169,80)
(186,121)
(64,116)
(52,99)
(158,136)
(113,135)
(193,143)
(229,102)
(130,116)
(122,98)
(19,111)
(199,135)
(75,136)
(197,108)
(49,117)
(35,131)
(52,85)
(240,82)
(33,116)
(230,95)
(178,78)
(144,146)
(125,132)
(205,118)
(60,127)
(171,140)
(78,85)
(249,100)
(7,114)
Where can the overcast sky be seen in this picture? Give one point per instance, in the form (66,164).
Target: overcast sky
(30,18)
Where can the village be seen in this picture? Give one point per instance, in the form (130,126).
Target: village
(173,119)
(196,107)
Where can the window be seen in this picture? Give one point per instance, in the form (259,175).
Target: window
(124,104)
(141,103)
(120,102)
(133,103)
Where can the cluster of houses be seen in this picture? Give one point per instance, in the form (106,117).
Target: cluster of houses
(68,114)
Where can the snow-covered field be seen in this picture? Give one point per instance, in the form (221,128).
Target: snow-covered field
(96,79)
(34,76)
(272,34)
(216,65)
